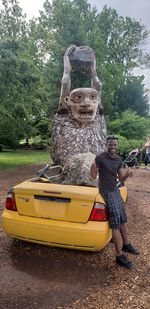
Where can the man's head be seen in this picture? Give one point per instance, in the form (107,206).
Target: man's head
(83,104)
(112,144)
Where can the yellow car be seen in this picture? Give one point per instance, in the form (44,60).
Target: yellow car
(57,215)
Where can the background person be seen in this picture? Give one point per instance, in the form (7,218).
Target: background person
(109,166)
(146,148)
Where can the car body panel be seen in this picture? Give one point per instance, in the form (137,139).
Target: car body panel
(54,201)
(84,236)
(57,215)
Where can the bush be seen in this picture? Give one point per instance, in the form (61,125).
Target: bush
(125,145)
(130,125)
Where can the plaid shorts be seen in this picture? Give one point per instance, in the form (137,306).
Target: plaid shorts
(116,208)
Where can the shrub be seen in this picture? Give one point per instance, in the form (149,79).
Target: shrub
(126,145)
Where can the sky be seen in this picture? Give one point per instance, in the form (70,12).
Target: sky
(137,9)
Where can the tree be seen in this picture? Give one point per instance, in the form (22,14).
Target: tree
(124,40)
(117,43)
(130,125)
(31,62)
(20,81)
(132,96)
(73,29)
(12,21)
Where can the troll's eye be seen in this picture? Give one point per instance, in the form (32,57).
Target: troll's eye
(93,97)
(79,97)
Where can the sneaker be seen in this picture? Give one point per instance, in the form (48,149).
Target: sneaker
(129,248)
(123,261)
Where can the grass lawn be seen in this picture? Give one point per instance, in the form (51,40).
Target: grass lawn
(12,159)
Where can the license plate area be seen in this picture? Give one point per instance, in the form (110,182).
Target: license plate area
(51,207)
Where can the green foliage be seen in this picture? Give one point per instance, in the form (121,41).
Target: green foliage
(31,67)
(74,28)
(129,125)
(12,21)
(126,145)
(44,129)
(20,79)
(116,41)
(123,37)
(133,96)
(18,82)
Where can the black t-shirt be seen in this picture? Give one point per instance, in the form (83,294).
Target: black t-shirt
(108,166)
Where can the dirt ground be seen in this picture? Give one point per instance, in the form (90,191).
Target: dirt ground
(35,276)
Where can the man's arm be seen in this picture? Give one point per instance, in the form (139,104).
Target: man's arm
(123,173)
(93,171)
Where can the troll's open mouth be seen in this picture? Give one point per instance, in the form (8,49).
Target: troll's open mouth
(86,113)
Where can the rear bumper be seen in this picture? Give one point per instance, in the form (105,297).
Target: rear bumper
(91,236)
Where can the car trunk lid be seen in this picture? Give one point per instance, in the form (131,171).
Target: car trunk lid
(55,201)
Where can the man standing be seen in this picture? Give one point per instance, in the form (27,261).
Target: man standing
(109,166)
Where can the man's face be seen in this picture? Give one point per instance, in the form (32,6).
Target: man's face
(83,103)
(112,146)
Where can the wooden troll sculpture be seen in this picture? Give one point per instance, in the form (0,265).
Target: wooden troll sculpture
(79,125)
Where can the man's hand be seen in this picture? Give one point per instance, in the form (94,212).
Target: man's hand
(123,174)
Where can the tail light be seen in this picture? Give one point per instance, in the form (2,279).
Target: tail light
(99,213)
(10,201)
